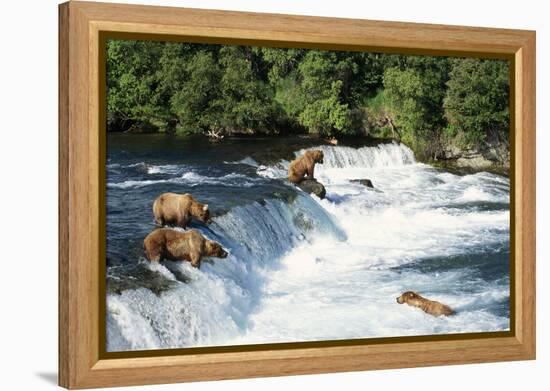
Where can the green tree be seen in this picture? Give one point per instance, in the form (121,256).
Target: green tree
(324,87)
(245,100)
(133,98)
(414,91)
(326,115)
(280,62)
(222,90)
(476,103)
(193,100)
(334,86)
(284,80)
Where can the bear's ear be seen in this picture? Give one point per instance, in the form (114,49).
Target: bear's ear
(205,207)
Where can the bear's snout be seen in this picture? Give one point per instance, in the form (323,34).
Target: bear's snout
(399,300)
(223,254)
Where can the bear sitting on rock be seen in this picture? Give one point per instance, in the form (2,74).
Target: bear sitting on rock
(304,165)
(179,209)
(300,172)
(191,246)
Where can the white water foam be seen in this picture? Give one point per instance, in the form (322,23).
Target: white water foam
(382,155)
(247,161)
(189,178)
(339,157)
(325,269)
(164,169)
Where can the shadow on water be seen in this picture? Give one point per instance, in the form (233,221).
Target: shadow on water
(488,266)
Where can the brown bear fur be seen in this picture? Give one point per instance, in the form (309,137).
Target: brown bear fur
(431,307)
(178,209)
(304,165)
(191,246)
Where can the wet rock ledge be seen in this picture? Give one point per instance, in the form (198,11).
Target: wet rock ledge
(311,186)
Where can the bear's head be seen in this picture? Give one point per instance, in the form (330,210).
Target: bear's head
(203,213)
(214,249)
(318,156)
(408,297)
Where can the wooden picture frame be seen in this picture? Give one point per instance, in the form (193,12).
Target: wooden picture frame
(82,363)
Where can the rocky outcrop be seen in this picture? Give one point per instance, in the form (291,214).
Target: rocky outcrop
(364,182)
(494,153)
(490,157)
(311,186)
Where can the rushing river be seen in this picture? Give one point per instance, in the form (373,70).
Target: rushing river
(300,268)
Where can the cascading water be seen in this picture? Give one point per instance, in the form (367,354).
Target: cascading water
(211,305)
(383,155)
(300,268)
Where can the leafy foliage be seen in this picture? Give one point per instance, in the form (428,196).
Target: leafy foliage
(195,102)
(132,83)
(415,90)
(196,88)
(476,103)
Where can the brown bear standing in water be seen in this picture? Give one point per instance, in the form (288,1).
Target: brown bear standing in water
(431,307)
(191,246)
(178,209)
(304,165)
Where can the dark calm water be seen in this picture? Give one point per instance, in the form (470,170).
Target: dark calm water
(300,268)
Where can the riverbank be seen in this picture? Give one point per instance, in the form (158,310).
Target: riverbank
(495,159)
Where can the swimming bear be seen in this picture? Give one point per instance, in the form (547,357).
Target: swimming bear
(431,307)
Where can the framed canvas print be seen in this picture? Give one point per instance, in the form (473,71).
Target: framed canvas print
(248,195)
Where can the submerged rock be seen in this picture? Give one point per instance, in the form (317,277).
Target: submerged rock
(364,182)
(311,186)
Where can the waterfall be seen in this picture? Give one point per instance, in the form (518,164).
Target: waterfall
(382,155)
(213,303)
(337,157)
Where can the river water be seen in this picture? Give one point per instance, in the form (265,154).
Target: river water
(300,268)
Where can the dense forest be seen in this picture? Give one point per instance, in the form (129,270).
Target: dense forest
(435,105)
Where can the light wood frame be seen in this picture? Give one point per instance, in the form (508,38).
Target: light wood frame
(81,364)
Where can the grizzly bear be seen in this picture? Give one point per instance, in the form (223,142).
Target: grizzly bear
(191,246)
(178,209)
(304,165)
(431,307)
